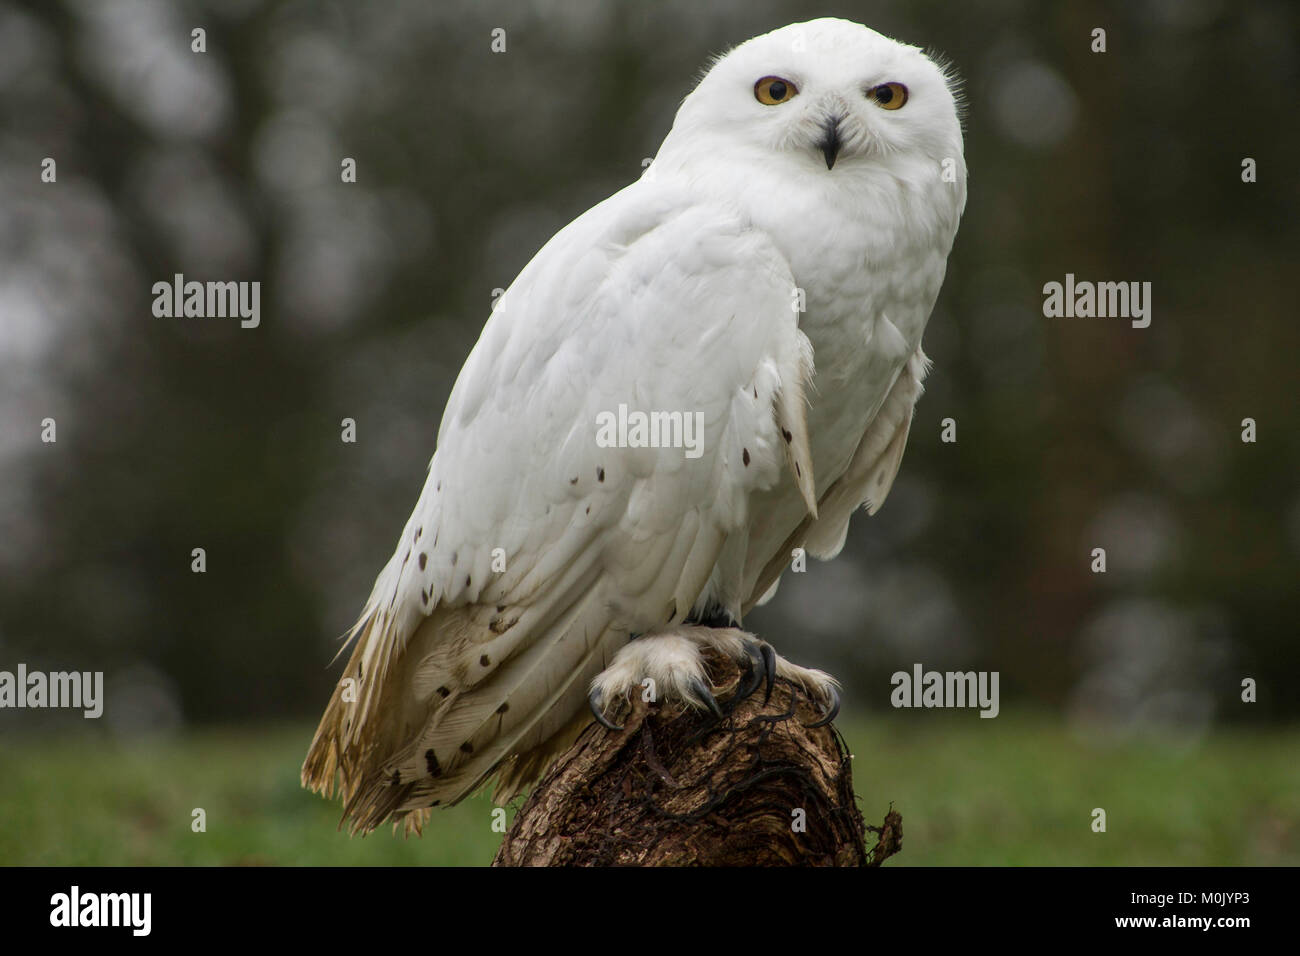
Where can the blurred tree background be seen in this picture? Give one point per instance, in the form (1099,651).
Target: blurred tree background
(1073,434)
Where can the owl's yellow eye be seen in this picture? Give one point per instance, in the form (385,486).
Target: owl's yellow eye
(773,91)
(890,96)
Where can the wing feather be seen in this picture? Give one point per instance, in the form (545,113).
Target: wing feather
(867,481)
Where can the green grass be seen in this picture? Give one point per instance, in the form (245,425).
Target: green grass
(1016,790)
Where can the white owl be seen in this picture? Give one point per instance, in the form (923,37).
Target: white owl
(767,280)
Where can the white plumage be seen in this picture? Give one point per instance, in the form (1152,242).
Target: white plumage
(534,553)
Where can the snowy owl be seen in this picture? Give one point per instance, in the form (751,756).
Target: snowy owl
(692,381)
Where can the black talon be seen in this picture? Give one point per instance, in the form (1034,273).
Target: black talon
(769,669)
(594,700)
(702,691)
(756,669)
(832,711)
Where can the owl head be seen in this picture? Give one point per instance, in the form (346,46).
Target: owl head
(828,96)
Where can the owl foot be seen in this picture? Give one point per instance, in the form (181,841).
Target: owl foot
(670,667)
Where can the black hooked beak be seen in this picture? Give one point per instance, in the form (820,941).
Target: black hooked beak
(830,142)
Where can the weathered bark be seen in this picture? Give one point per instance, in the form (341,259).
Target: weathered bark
(680,788)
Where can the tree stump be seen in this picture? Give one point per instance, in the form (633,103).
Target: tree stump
(677,787)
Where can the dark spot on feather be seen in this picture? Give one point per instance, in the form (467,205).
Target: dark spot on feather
(439,487)
(424,559)
(454,556)
(573,480)
(797,470)
(418,532)
(503,708)
(467,748)
(435,539)
(444,692)
(397,779)
(788,436)
(600,474)
(424,597)
(485,661)
(500,608)
(746,451)
(756,393)
(432,763)
(467,580)
(588,509)
(499,625)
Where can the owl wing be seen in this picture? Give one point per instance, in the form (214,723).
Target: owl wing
(535,551)
(866,482)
